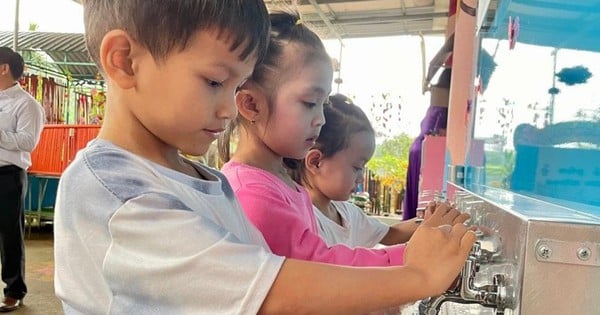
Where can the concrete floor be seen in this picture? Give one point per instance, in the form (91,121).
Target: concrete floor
(39,275)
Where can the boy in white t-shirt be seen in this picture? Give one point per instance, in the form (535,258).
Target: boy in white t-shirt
(333,168)
(141,230)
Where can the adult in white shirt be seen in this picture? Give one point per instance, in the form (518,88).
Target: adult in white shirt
(21,123)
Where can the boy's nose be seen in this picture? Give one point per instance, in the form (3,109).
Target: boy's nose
(320,119)
(226,108)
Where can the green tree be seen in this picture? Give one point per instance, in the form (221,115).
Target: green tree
(33,27)
(390,161)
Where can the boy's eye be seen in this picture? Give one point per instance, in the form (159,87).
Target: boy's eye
(309,104)
(213,83)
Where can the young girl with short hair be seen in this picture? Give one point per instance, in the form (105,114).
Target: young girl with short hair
(331,171)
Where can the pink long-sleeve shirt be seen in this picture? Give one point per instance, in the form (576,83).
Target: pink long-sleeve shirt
(285,217)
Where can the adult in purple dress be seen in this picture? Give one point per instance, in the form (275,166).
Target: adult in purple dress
(434,123)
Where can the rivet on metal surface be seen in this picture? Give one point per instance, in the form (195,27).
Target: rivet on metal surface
(544,251)
(584,253)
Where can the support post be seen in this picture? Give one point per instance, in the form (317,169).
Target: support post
(16,30)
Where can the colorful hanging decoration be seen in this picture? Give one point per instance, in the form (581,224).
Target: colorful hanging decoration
(97,111)
(49,93)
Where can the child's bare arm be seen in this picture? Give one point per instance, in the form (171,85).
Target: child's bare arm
(400,232)
(313,288)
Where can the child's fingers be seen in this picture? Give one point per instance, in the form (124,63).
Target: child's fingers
(429,209)
(444,206)
(445,228)
(467,238)
(437,215)
(461,218)
(458,230)
(431,206)
(451,214)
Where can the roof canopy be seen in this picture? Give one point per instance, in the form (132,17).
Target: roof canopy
(369,18)
(67,50)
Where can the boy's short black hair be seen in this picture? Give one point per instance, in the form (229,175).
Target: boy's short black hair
(164,25)
(14,60)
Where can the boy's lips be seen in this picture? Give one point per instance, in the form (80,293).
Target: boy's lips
(311,141)
(214,132)
(313,138)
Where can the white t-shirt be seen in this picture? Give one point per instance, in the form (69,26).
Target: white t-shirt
(357,230)
(133,237)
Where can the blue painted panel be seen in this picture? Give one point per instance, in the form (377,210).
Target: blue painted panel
(50,196)
(559,23)
(526,161)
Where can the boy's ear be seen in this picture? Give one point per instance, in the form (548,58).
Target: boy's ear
(5,70)
(251,102)
(312,160)
(116,51)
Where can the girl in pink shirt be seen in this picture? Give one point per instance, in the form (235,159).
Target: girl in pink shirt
(280,117)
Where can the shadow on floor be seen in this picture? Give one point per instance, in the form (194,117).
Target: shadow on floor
(39,274)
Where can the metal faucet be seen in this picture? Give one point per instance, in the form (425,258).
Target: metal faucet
(496,295)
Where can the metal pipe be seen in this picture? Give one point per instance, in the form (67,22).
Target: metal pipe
(433,306)
(72,63)
(339,78)
(326,20)
(16,30)
(380,17)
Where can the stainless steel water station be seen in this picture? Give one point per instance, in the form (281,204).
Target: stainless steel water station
(532,257)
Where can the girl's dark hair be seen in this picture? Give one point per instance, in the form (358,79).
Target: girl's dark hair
(286,29)
(343,119)
(164,25)
(14,60)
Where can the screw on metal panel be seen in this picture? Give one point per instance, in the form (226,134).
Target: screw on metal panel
(584,253)
(544,251)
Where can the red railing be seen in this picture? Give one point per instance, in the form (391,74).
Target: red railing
(58,146)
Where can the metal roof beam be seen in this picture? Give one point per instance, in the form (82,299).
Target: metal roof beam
(71,63)
(326,21)
(376,19)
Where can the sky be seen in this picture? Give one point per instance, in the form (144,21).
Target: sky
(63,16)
